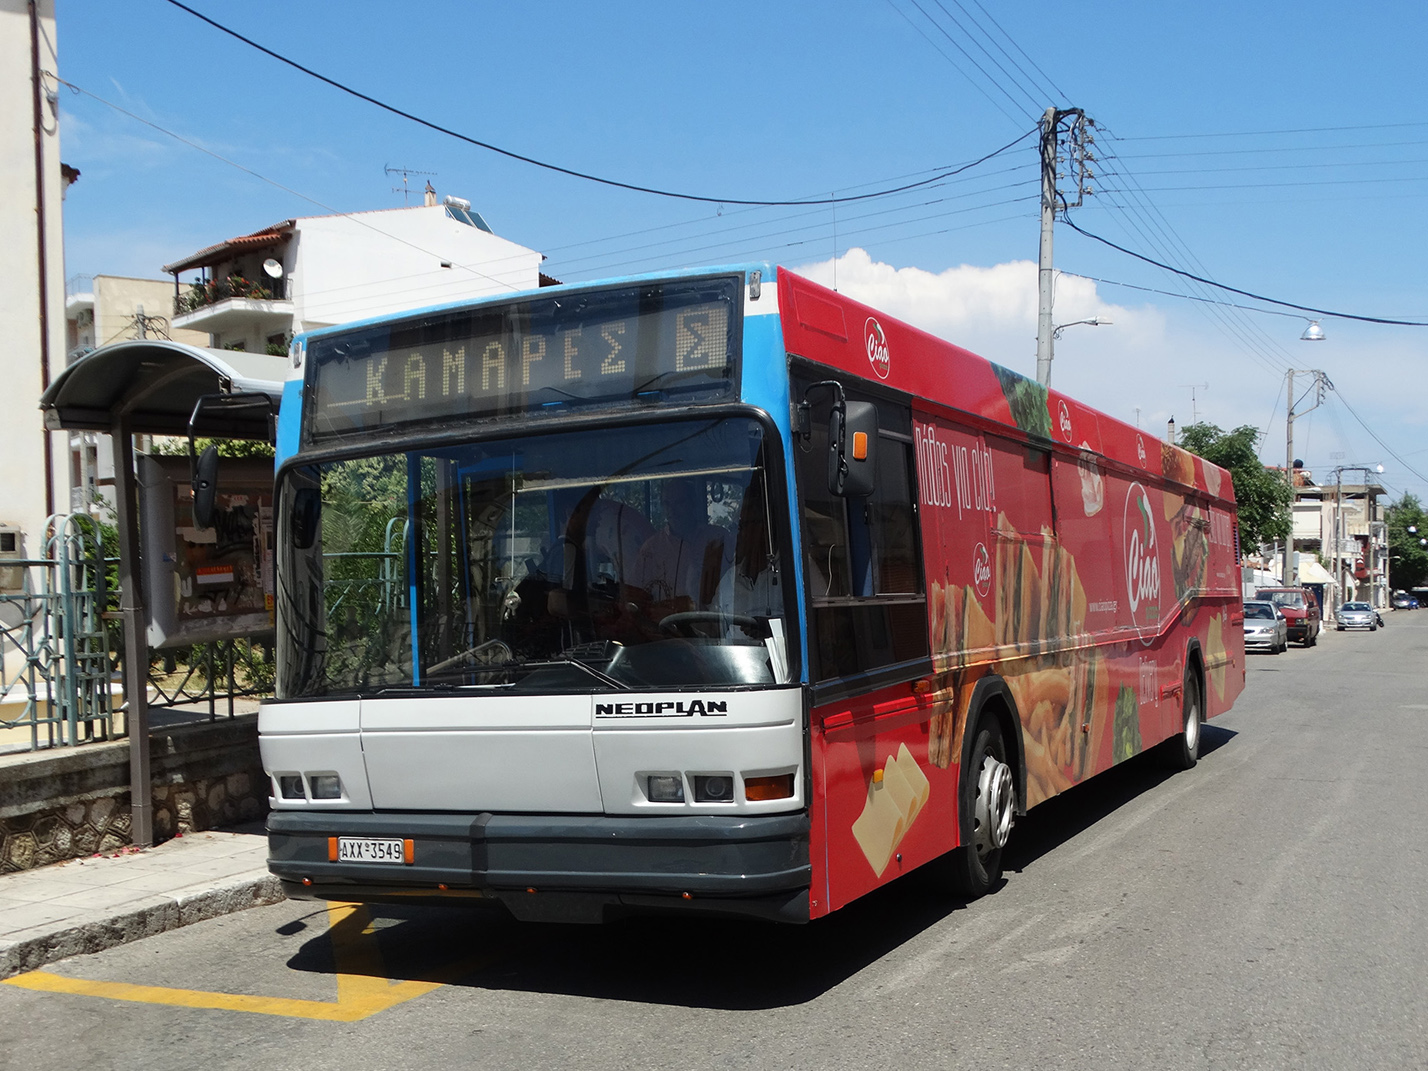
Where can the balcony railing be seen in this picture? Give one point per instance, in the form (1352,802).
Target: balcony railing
(201,295)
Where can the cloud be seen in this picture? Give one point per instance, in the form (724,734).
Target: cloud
(1143,366)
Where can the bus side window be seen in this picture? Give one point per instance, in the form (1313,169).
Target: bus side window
(862,562)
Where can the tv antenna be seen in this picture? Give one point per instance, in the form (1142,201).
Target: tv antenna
(405,172)
(1192,388)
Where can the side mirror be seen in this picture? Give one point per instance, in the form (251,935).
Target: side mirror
(852,449)
(205,487)
(307,512)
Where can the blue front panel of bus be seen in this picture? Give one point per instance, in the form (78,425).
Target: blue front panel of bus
(765,384)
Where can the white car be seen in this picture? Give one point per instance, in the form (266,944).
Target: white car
(1265,627)
(1356,615)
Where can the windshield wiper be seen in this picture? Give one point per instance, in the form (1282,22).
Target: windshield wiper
(571,660)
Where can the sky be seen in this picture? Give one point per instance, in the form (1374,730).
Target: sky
(1277,148)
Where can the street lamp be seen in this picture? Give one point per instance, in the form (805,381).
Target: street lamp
(1094,321)
(1313,333)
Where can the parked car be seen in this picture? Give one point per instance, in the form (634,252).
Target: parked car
(1265,628)
(1300,610)
(1356,615)
(1404,601)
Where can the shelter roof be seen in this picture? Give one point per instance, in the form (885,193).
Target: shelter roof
(154,384)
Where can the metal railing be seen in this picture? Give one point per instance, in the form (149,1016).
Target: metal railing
(56,674)
(201,295)
(61,651)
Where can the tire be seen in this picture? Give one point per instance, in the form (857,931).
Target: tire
(1373,628)
(1341,628)
(987,803)
(1182,751)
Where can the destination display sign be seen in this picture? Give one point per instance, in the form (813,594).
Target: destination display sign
(670,341)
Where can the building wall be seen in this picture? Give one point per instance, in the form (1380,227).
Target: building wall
(372,263)
(116,300)
(22,438)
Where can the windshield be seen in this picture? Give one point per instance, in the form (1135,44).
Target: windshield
(632,557)
(1356,607)
(1292,599)
(1262,611)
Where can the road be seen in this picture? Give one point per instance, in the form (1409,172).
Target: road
(1264,910)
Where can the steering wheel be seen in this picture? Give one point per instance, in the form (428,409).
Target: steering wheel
(472,652)
(676,624)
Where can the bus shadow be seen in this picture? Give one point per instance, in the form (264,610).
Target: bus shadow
(1078,809)
(687,961)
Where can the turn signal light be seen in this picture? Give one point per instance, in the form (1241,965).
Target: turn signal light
(778,787)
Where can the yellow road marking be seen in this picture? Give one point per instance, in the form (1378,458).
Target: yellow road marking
(362,986)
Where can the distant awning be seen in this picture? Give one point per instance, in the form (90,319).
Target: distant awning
(1311,572)
(153,385)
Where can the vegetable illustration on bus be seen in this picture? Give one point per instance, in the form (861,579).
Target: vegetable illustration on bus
(715,591)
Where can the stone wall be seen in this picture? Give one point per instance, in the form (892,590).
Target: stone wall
(72,802)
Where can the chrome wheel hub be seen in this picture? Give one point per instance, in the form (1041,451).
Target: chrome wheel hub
(996,805)
(1192,729)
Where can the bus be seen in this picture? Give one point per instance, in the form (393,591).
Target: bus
(714,591)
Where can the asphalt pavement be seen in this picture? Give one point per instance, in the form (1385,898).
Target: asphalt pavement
(1262,912)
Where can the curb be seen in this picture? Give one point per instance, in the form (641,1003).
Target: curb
(166,912)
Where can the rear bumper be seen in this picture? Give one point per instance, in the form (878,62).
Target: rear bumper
(556,867)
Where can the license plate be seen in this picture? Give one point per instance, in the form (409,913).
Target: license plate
(369,850)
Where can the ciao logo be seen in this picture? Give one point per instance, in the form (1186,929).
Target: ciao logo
(1141,548)
(877,346)
(1140,449)
(982,570)
(1064,416)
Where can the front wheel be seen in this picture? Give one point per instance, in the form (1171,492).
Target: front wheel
(1183,750)
(987,802)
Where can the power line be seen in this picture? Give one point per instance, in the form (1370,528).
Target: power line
(1269,133)
(263,178)
(1184,297)
(953,63)
(1374,435)
(653,190)
(1243,293)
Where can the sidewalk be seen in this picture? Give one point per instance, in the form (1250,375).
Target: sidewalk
(87,905)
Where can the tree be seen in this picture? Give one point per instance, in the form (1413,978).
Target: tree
(1407,555)
(1265,500)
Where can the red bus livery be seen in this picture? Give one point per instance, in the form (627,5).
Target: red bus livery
(718,592)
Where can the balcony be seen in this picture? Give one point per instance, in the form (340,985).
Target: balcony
(226,305)
(78,295)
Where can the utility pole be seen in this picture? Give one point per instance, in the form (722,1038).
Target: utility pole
(1079,140)
(1321,383)
(1044,276)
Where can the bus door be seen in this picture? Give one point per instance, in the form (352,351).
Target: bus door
(874,812)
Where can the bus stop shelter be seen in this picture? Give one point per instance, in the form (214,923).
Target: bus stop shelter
(154,387)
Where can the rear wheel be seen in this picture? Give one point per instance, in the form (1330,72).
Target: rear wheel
(1183,750)
(987,801)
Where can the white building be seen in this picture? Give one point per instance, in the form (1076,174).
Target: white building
(257,290)
(32,462)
